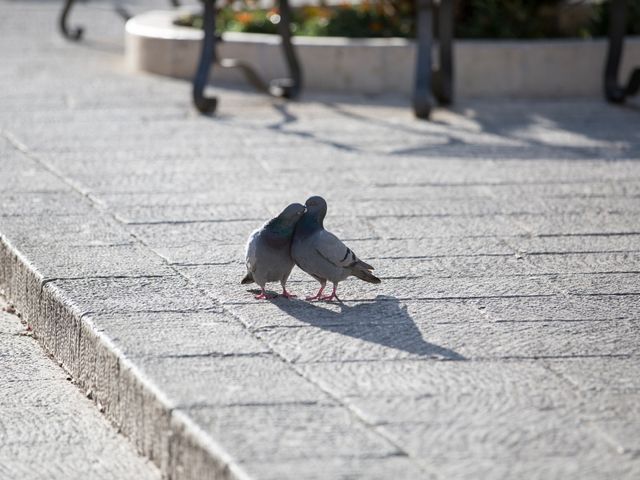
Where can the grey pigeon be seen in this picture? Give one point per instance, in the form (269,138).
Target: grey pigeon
(322,255)
(268,254)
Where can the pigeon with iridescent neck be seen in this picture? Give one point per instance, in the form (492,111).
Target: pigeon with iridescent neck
(322,255)
(268,256)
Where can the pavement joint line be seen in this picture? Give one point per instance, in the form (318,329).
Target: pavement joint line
(510,358)
(515,249)
(361,418)
(579,252)
(564,292)
(218,453)
(617,294)
(106,277)
(80,138)
(597,432)
(563,320)
(418,299)
(264,354)
(169,310)
(505,184)
(188,222)
(591,234)
(200,264)
(197,406)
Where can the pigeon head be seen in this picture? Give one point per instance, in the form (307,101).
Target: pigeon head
(316,208)
(290,215)
(283,225)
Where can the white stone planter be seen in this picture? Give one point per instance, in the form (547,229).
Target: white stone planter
(539,68)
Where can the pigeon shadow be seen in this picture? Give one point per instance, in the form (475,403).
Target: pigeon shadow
(383,321)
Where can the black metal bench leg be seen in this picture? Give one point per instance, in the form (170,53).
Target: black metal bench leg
(287,87)
(70,33)
(207,58)
(422,98)
(443,81)
(615,92)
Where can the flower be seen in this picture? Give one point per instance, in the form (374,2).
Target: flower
(244,17)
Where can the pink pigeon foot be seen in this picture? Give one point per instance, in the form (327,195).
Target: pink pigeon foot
(328,298)
(317,296)
(288,295)
(263,296)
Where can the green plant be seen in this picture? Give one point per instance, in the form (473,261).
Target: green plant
(396,18)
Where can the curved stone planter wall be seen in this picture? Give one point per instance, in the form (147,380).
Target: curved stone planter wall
(541,68)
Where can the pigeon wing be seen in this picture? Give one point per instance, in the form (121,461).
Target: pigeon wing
(251,252)
(331,249)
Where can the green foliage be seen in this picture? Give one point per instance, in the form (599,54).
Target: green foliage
(538,19)
(395,18)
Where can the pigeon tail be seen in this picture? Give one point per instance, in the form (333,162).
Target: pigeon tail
(365,275)
(364,265)
(248,278)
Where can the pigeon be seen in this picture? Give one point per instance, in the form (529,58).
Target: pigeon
(322,255)
(268,256)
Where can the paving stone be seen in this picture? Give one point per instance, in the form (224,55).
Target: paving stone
(219,278)
(559,308)
(179,234)
(576,243)
(45,204)
(208,253)
(624,434)
(21,348)
(600,284)
(8,326)
(74,230)
(30,181)
(382,311)
(419,338)
(578,224)
(606,465)
(292,432)
(178,334)
(501,344)
(245,377)
(436,247)
(586,263)
(191,213)
(524,434)
(48,428)
(597,188)
(390,228)
(154,294)
(95,261)
(438,391)
(340,469)
(596,374)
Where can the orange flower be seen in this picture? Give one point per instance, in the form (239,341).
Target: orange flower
(244,17)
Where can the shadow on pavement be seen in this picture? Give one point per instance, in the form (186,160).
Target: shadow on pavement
(383,321)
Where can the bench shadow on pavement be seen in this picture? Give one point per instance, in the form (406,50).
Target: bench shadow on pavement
(383,321)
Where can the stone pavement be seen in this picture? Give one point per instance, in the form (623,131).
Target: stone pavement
(48,429)
(503,342)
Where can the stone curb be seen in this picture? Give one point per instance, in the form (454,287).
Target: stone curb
(550,68)
(135,406)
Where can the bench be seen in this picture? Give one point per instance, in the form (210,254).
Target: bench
(431,85)
(614,92)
